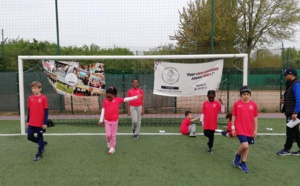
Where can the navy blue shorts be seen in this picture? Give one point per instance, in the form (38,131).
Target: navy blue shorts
(244,139)
(31,130)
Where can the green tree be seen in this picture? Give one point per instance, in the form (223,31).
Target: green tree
(16,47)
(264,22)
(265,58)
(194,33)
(239,24)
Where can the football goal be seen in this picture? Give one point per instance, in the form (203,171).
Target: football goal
(77,99)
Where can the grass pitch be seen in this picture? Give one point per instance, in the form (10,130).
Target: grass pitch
(150,160)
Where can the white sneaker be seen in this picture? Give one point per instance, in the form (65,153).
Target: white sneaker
(108,144)
(111,151)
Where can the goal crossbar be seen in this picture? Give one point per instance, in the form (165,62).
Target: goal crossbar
(82,57)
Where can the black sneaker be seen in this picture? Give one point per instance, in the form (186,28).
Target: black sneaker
(284,152)
(37,157)
(296,153)
(210,150)
(135,137)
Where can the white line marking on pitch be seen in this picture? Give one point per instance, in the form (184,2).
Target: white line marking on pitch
(130,134)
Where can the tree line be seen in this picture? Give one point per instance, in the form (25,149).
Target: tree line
(241,26)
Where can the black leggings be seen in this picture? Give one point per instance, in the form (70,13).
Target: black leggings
(211,135)
(291,135)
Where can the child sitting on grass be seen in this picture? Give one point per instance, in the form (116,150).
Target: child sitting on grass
(186,128)
(228,131)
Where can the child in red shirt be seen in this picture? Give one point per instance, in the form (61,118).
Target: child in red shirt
(244,125)
(135,108)
(37,118)
(228,131)
(110,115)
(186,128)
(209,117)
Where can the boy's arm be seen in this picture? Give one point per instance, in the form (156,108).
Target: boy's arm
(45,118)
(222,106)
(233,126)
(194,119)
(201,119)
(255,127)
(28,115)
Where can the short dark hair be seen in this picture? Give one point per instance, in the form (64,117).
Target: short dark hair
(134,80)
(229,116)
(112,90)
(211,92)
(187,113)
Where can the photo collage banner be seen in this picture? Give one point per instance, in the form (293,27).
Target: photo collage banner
(71,78)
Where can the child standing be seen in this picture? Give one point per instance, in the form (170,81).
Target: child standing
(209,117)
(37,118)
(228,131)
(110,116)
(244,125)
(135,108)
(186,128)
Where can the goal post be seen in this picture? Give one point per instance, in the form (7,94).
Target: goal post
(21,60)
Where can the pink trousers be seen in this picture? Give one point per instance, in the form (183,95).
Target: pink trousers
(111,128)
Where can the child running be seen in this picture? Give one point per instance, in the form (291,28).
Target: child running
(110,116)
(186,128)
(228,131)
(209,117)
(37,118)
(244,125)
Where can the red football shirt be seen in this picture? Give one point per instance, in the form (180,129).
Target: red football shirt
(244,117)
(111,112)
(210,111)
(37,106)
(229,128)
(184,127)
(135,92)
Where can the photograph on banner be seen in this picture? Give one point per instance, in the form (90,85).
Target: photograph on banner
(62,68)
(96,81)
(83,90)
(71,78)
(49,65)
(62,87)
(82,75)
(186,79)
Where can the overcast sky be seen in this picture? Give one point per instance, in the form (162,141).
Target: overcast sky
(134,24)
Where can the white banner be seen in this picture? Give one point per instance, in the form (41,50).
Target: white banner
(182,79)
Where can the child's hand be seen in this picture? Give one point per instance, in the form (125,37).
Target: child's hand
(26,125)
(233,132)
(201,123)
(100,123)
(220,100)
(254,134)
(139,96)
(44,126)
